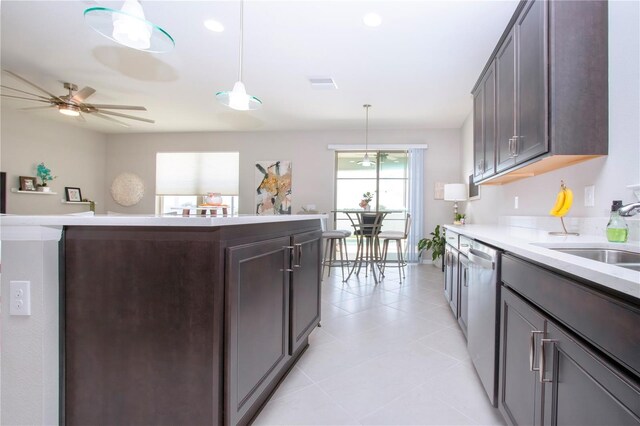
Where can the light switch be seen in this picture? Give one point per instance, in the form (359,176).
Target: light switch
(20,303)
(589,196)
(515,202)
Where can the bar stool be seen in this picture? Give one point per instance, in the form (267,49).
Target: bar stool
(396,236)
(330,261)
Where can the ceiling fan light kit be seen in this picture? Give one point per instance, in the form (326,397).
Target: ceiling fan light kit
(70,110)
(72,104)
(129,27)
(238,98)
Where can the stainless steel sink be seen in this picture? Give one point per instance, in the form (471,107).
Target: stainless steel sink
(622,258)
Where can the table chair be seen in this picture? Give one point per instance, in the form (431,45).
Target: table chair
(398,237)
(329,260)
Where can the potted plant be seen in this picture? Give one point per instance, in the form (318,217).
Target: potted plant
(366,199)
(44,173)
(459,219)
(435,244)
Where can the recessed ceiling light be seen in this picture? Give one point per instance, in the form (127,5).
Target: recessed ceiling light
(214,25)
(372,19)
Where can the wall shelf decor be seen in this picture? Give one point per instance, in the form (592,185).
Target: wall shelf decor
(17,191)
(86,203)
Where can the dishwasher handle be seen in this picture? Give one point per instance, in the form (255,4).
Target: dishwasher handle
(478,258)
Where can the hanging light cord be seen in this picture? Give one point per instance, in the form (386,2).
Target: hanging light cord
(366,132)
(241,37)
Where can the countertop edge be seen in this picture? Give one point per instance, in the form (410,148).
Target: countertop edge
(530,244)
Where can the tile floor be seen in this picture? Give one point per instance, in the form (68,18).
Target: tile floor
(386,354)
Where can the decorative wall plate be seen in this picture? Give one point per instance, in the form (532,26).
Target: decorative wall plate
(127,189)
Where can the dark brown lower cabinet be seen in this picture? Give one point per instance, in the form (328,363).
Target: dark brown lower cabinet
(583,387)
(555,368)
(305,287)
(451,278)
(257,318)
(182,325)
(520,399)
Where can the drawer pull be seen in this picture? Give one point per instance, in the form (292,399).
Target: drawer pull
(542,360)
(532,349)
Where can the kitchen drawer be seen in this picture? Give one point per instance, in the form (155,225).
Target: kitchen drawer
(611,325)
(452,238)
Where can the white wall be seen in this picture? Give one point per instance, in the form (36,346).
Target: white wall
(312,163)
(610,174)
(75,155)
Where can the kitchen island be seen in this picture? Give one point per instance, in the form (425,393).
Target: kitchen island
(155,320)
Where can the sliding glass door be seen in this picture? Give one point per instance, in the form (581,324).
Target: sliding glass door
(386,178)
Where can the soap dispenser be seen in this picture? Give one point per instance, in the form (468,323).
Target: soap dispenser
(617,229)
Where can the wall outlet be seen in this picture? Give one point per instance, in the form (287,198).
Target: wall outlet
(590,196)
(20,298)
(515,202)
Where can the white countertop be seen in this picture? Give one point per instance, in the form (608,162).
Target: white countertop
(535,245)
(146,220)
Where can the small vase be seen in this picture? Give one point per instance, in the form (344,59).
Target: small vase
(367,208)
(43,189)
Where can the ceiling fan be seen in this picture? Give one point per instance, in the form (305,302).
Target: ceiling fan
(72,104)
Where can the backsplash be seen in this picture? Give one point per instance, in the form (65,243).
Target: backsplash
(582,225)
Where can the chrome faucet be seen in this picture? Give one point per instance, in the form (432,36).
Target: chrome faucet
(629,210)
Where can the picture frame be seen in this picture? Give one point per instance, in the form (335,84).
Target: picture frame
(73,194)
(438,191)
(3,192)
(474,190)
(28,183)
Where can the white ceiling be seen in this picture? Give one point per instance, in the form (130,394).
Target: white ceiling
(416,69)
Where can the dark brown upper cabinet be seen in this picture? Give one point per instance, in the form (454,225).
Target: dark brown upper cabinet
(549,73)
(484,101)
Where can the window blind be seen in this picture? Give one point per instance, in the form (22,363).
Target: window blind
(195,173)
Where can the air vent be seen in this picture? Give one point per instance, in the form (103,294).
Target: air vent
(323,83)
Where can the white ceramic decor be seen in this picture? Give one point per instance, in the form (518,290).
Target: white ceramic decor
(127,189)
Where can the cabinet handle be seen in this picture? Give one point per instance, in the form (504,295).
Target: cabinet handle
(515,146)
(464,277)
(542,360)
(290,248)
(298,262)
(464,245)
(532,349)
(510,147)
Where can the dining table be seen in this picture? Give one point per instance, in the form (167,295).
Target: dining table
(367,225)
(203,209)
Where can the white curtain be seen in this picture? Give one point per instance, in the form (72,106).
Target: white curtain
(195,173)
(416,202)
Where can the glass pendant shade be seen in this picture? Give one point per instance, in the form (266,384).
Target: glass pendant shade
(129,27)
(238,98)
(366,162)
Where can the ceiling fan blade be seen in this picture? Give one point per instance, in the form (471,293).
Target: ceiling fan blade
(34,108)
(22,97)
(97,114)
(129,107)
(83,94)
(31,84)
(22,91)
(117,114)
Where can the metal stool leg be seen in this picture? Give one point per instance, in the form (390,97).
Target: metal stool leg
(400,260)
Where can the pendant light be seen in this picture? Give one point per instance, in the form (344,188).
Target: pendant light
(366,162)
(129,27)
(238,98)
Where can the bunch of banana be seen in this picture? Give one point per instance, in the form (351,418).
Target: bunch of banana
(564,200)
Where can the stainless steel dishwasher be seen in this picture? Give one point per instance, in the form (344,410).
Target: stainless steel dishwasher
(484,314)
